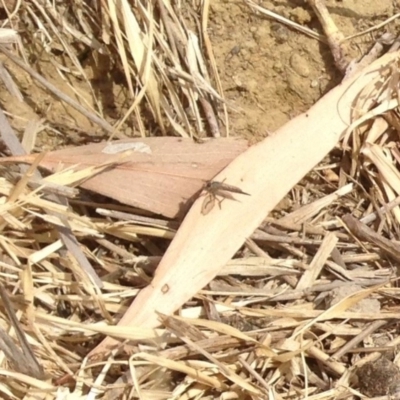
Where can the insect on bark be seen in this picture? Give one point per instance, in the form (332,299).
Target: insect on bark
(215,189)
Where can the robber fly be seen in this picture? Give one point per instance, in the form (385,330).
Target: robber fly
(214,189)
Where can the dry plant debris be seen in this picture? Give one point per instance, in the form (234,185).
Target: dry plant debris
(274,323)
(160,175)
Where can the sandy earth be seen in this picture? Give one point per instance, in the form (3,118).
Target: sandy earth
(269,72)
(278,72)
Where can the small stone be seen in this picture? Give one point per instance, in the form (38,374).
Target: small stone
(299,65)
(278,66)
(280,32)
(301,16)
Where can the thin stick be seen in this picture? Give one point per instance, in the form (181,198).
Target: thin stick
(384,209)
(25,360)
(357,339)
(363,232)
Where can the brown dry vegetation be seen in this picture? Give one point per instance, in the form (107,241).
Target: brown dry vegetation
(311,298)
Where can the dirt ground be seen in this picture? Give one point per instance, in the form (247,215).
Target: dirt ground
(270,73)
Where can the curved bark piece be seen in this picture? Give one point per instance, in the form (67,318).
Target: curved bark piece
(162,174)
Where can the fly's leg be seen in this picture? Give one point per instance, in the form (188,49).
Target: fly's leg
(219,201)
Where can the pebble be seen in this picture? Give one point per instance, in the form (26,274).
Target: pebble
(299,65)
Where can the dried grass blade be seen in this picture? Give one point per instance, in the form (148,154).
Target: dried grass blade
(30,134)
(112,7)
(324,358)
(185,368)
(378,110)
(309,277)
(390,176)
(363,232)
(178,328)
(384,165)
(26,360)
(45,252)
(31,382)
(142,58)
(303,214)
(339,308)
(226,330)
(374,326)
(21,185)
(379,127)
(129,333)
(373,28)
(9,83)
(211,58)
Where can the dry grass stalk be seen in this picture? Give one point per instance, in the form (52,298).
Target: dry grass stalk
(285,21)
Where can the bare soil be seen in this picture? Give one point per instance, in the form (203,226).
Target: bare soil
(270,72)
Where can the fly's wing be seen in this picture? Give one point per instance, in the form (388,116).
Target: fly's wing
(208,203)
(222,189)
